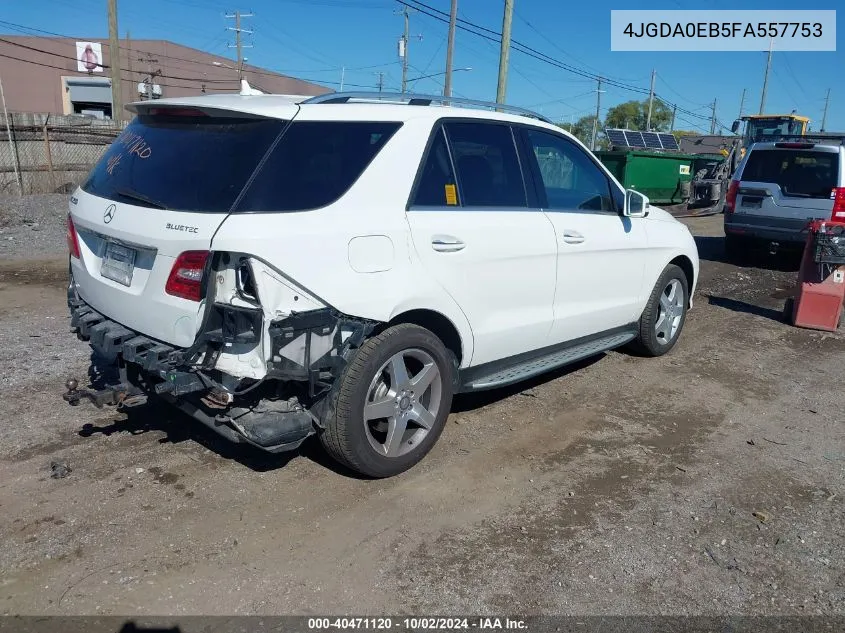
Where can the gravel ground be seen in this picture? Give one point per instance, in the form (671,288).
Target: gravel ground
(706,482)
(31,225)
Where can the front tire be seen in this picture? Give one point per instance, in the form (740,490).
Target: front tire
(391,403)
(665,313)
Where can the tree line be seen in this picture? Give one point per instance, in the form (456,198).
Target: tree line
(631,115)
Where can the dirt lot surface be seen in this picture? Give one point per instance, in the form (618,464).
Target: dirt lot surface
(709,481)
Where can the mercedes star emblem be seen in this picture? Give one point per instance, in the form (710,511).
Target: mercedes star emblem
(109,214)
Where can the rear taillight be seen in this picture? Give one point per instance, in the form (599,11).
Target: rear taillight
(72,238)
(185,278)
(838,195)
(730,197)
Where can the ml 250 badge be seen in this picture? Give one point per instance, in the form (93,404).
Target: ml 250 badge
(182,227)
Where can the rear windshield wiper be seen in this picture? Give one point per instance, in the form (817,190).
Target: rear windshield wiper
(139,197)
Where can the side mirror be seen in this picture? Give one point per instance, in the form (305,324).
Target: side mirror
(636,204)
(735,127)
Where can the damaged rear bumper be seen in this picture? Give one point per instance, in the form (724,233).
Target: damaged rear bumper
(275,413)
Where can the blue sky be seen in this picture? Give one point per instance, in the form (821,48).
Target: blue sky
(314,39)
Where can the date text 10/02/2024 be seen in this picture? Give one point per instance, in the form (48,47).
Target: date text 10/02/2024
(421,623)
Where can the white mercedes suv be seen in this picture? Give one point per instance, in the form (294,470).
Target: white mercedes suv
(343,265)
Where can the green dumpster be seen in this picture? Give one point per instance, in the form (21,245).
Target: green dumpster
(658,176)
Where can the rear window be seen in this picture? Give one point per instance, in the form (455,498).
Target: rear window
(802,173)
(203,164)
(183,163)
(315,163)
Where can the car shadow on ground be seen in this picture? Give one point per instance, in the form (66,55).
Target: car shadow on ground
(158,416)
(480,399)
(178,427)
(748,308)
(712,249)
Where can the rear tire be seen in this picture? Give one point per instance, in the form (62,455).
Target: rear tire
(665,313)
(385,420)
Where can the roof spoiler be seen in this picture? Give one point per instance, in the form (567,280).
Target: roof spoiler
(246,89)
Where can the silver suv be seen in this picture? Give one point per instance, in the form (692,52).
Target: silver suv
(778,188)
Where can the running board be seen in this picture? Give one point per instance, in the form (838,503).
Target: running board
(556,358)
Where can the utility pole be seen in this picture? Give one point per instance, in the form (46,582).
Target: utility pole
(598,111)
(128,41)
(12,144)
(403,47)
(450,49)
(132,82)
(403,50)
(650,102)
(114,62)
(824,116)
(766,77)
(342,76)
(380,80)
(239,45)
(674,112)
(151,74)
(504,55)
(713,119)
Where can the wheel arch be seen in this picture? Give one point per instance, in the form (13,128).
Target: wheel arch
(685,264)
(440,325)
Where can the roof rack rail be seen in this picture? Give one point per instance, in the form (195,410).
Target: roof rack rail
(422,100)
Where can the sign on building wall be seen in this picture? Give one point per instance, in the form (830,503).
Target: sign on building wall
(89,57)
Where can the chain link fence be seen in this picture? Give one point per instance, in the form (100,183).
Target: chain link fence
(47,153)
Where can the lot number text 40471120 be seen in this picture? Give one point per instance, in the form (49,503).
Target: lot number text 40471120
(417,623)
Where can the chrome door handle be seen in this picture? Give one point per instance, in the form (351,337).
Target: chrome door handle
(572,237)
(446,244)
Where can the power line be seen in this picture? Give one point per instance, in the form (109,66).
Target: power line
(107,66)
(792,74)
(554,44)
(495,36)
(176,77)
(25,30)
(671,89)
(563,100)
(29,61)
(786,87)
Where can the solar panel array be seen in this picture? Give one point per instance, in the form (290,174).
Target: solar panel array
(634,138)
(669,141)
(616,137)
(652,140)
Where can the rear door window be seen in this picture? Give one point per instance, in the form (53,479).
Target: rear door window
(183,162)
(487,165)
(315,163)
(799,173)
(437,186)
